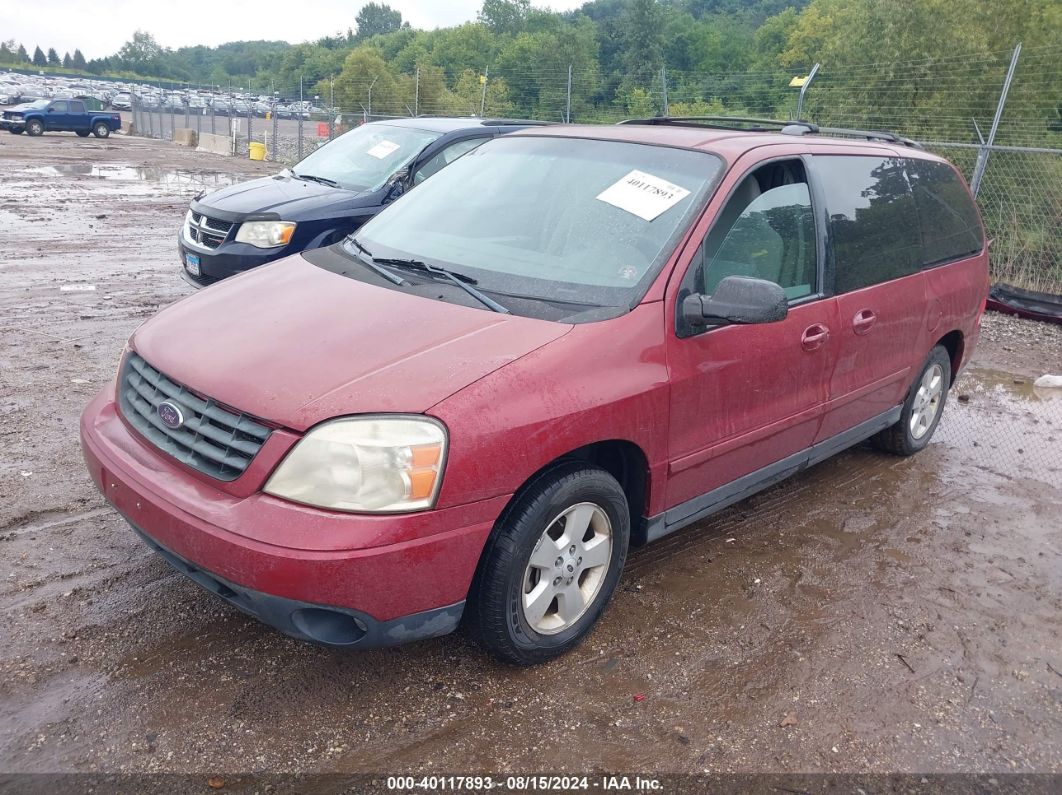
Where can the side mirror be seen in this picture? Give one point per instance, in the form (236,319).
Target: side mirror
(397,185)
(51,110)
(737,299)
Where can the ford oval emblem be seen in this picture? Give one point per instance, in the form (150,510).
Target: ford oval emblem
(170,414)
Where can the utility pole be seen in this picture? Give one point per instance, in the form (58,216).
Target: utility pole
(483,97)
(568,105)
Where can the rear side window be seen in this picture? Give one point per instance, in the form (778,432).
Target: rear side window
(946,213)
(874,234)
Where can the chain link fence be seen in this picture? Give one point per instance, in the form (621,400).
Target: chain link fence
(998,117)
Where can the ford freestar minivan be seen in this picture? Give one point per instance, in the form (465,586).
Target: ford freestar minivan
(324,197)
(572,340)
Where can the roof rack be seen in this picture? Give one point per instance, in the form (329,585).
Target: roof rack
(790,127)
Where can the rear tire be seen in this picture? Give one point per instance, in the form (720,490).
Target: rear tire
(34,127)
(551,565)
(101,130)
(922,409)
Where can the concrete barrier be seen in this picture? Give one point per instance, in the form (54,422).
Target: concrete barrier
(216,144)
(186,136)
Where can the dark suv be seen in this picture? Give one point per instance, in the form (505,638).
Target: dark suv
(326,196)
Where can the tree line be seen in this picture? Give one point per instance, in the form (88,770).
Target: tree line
(14,54)
(625,57)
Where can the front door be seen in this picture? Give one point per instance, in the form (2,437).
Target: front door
(746,401)
(55,117)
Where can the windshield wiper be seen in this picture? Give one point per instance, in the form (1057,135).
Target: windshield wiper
(462,281)
(370,262)
(314,178)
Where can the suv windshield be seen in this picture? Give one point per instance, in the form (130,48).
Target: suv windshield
(563,220)
(364,158)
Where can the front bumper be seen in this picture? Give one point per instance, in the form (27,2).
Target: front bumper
(353,580)
(8,124)
(226,260)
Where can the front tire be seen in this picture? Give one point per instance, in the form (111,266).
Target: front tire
(15,130)
(82,133)
(922,409)
(34,127)
(551,565)
(101,130)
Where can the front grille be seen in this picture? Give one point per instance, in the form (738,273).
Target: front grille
(211,439)
(207,231)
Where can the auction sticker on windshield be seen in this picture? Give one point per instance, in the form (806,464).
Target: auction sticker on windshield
(643,195)
(383,149)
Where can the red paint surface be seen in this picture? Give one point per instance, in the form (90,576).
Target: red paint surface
(296,345)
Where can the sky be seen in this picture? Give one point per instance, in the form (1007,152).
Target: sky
(100,28)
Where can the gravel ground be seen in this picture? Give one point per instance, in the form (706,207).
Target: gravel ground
(872,614)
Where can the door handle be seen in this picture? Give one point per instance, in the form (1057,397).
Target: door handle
(814,337)
(863,320)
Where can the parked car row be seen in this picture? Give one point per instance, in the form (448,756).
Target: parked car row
(18,88)
(479,367)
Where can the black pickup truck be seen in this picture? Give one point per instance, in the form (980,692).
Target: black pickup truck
(59,115)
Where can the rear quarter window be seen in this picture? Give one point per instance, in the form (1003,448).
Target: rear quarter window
(873,223)
(946,213)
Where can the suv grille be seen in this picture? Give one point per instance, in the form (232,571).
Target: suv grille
(208,232)
(211,439)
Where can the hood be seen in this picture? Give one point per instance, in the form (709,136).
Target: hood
(289,198)
(296,344)
(21,108)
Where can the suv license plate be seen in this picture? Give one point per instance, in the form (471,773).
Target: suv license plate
(191,264)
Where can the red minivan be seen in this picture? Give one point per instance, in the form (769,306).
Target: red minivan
(570,341)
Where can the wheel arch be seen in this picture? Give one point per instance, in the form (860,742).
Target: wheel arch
(955,344)
(621,458)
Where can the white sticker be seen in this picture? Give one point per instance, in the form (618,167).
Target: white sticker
(383,149)
(643,195)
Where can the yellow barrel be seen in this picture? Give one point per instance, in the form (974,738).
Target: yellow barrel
(257,150)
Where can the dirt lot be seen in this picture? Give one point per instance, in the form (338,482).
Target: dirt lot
(872,614)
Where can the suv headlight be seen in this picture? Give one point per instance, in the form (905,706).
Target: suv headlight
(384,464)
(266,234)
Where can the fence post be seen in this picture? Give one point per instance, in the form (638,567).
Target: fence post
(331,107)
(983,152)
(213,115)
(416,95)
(276,129)
(300,117)
(804,90)
(663,80)
(568,104)
(483,97)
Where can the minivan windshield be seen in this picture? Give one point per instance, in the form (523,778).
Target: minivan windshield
(365,157)
(569,220)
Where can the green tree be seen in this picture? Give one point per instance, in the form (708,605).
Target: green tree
(376,19)
(39,59)
(505,16)
(142,54)
(643,42)
(367,83)
(7,51)
(23,56)
(68,62)
(53,57)
(79,60)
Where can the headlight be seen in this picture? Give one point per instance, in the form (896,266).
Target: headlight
(367,464)
(266,234)
(16,117)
